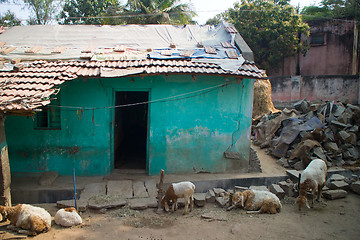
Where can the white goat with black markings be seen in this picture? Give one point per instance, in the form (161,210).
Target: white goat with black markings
(312,179)
(179,190)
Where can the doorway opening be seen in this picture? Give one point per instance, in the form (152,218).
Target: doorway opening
(131,127)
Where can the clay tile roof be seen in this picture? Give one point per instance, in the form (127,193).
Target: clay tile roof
(30,84)
(29,88)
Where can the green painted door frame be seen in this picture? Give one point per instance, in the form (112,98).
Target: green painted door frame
(114,91)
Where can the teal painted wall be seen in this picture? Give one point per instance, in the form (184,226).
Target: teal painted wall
(185,136)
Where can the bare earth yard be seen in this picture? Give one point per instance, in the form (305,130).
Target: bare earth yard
(340,219)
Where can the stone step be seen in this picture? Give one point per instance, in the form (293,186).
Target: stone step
(121,188)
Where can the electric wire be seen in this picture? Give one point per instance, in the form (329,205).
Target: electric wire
(167,99)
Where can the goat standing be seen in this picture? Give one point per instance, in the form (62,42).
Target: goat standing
(312,179)
(179,190)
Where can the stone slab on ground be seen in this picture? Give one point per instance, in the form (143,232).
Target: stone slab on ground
(260,188)
(151,187)
(140,190)
(336,177)
(142,203)
(81,205)
(200,199)
(121,188)
(355,187)
(210,196)
(288,188)
(106,201)
(93,189)
(334,194)
(339,185)
(221,201)
(277,190)
(218,191)
(294,175)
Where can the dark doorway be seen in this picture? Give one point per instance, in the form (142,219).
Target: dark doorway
(130,137)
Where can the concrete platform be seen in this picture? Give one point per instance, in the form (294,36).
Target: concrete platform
(135,185)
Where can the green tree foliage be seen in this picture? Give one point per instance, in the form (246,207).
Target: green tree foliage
(314,12)
(43,11)
(272,29)
(214,21)
(157,12)
(9,19)
(91,12)
(333,9)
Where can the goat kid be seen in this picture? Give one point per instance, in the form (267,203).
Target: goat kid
(33,220)
(312,179)
(257,201)
(179,190)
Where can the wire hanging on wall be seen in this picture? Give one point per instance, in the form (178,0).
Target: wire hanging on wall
(80,110)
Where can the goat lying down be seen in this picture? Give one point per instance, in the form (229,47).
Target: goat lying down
(32,220)
(179,190)
(67,217)
(312,179)
(257,201)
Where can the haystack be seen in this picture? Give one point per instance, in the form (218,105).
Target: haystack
(262,103)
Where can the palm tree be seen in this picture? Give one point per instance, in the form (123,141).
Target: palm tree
(158,12)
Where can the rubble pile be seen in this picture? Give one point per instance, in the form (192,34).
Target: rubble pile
(326,130)
(337,186)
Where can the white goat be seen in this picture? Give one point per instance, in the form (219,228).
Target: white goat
(32,219)
(257,201)
(179,190)
(312,178)
(67,217)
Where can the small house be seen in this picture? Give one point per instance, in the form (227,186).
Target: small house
(133,97)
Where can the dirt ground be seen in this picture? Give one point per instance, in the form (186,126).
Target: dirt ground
(340,219)
(333,219)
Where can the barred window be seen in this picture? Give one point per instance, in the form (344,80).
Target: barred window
(49,116)
(318,39)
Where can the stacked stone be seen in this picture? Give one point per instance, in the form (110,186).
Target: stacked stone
(327,130)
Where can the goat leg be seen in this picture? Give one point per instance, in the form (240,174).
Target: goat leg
(253,212)
(230,208)
(191,203)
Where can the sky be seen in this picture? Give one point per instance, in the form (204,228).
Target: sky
(209,8)
(205,8)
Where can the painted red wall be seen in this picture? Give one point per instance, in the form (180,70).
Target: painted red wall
(332,58)
(292,89)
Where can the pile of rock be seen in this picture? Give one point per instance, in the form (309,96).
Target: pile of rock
(337,186)
(325,130)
